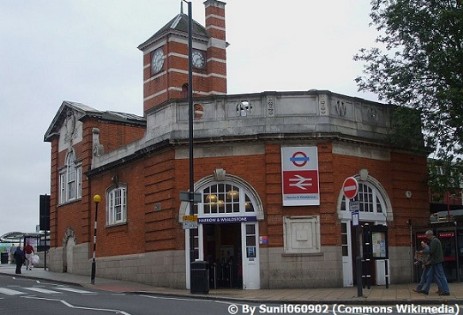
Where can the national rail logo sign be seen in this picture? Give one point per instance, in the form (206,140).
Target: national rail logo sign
(299,173)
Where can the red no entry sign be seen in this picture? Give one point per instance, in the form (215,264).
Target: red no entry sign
(350,187)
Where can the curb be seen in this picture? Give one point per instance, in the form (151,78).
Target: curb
(237,300)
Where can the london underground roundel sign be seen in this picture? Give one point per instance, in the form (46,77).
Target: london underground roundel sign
(350,187)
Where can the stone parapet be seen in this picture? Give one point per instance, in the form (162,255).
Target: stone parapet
(269,115)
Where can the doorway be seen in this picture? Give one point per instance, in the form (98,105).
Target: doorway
(68,263)
(228,232)
(222,249)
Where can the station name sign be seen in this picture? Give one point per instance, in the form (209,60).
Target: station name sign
(223,220)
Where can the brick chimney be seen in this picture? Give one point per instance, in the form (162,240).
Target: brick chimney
(216,50)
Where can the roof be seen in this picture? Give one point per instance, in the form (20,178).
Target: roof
(177,24)
(16,237)
(446,216)
(88,111)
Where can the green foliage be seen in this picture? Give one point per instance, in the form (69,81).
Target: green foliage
(406,129)
(420,66)
(444,176)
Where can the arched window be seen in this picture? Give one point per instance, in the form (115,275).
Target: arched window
(369,199)
(224,199)
(116,211)
(372,203)
(70,179)
(185,90)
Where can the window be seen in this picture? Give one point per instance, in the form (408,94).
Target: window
(372,201)
(70,180)
(117,206)
(226,199)
(344,240)
(369,199)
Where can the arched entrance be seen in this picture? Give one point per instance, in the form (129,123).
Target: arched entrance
(69,242)
(228,232)
(374,209)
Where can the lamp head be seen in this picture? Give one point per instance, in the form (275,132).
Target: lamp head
(97,199)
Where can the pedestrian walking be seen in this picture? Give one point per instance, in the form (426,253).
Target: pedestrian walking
(29,252)
(422,258)
(437,270)
(19,259)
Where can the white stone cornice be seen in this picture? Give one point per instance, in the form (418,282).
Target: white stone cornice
(181,40)
(153,47)
(214,42)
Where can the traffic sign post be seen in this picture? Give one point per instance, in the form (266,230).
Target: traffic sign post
(350,187)
(190,221)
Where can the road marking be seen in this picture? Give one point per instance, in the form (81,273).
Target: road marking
(79,307)
(42,290)
(74,290)
(7,291)
(10,291)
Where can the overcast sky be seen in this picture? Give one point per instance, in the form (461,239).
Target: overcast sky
(86,51)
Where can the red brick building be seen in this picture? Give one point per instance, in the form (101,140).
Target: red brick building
(269,168)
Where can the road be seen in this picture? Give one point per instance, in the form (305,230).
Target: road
(39,297)
(29,296)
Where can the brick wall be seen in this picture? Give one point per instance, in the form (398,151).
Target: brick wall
(76,214)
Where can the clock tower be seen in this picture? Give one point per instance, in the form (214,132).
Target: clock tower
(165,58)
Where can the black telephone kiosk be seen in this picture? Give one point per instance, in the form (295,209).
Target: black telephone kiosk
(375,259)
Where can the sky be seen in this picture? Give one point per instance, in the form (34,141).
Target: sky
(86,51)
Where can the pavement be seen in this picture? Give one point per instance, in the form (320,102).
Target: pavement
(376,295)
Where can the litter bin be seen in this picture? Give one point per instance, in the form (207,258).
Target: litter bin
(4,258)
(199,277)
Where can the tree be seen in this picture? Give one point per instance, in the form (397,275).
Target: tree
(420,66)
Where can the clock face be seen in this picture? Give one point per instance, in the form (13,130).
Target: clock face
(199,61)
(157,60)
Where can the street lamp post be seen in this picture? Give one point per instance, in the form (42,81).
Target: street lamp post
(96,200)
(190,105)
(190,129)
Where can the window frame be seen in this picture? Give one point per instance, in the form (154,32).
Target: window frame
(378,197)
(222,203)
(70,180)
(369,197)
(113,210)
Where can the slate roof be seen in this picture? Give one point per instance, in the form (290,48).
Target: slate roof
(177,24)
(89,111)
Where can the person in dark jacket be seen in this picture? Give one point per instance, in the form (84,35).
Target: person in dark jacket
(437,270)
(19,259)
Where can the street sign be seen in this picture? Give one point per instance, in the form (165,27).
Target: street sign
(355,218)
(354,205)
(190,217)
(187,225)
(190,222)
(187,196)
(350,187)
